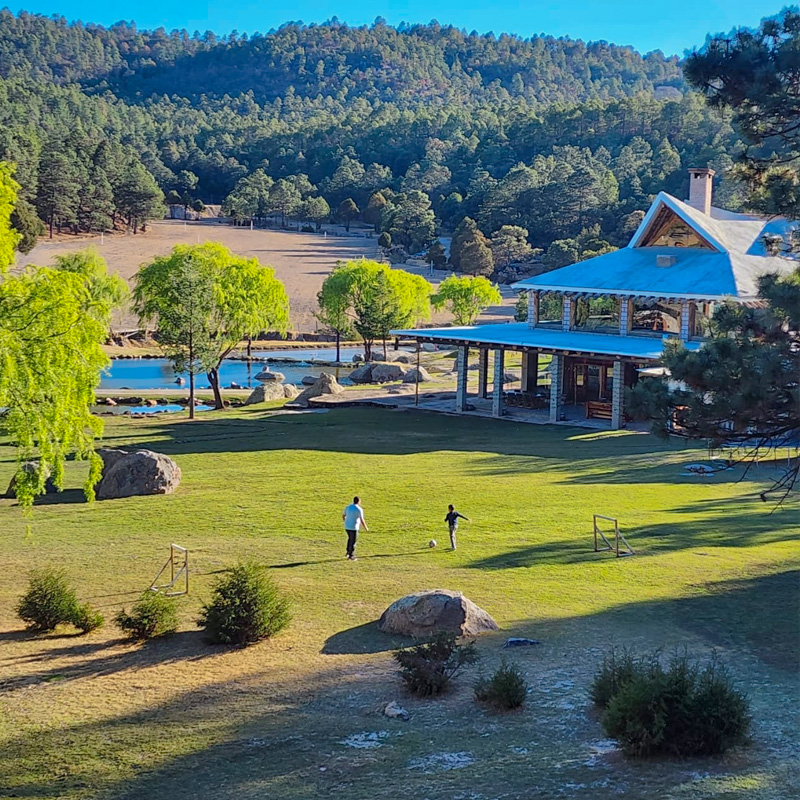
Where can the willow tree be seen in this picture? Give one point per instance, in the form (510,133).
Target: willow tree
(53,323)
(205,301)
(373,299)
(466,297)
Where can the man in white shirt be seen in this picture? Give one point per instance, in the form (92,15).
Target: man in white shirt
(353,517)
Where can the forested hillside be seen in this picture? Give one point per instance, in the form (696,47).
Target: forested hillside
(412,129)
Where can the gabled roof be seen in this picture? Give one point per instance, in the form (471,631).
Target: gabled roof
(728,270)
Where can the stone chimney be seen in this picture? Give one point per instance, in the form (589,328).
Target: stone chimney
(700,188)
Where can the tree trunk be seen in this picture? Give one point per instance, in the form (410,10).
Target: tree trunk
(384,349)
(191,394)
(213,379)
(249,349)
(367,350)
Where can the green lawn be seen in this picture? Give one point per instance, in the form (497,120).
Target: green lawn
(95,717)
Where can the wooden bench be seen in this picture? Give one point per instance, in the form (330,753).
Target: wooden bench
(598,410)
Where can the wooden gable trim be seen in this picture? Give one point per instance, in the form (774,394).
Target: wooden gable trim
(662,219)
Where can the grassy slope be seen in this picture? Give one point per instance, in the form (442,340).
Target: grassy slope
(94,717)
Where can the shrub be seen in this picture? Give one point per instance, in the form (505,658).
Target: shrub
(687,709)
(87,618)
(49,601)
(152,615)
(506,689)
(246,607)
(428,668)
(618,668)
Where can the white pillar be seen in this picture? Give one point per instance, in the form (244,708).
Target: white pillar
(686,309)
(625,315)
(567,313)
(533,308)
(618,397)
(461,379)
(556,387)
(497,386)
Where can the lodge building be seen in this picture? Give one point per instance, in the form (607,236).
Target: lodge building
(604,321)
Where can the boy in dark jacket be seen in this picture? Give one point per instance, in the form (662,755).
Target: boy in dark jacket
(452,523)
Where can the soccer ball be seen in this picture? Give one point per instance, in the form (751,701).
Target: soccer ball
(432,543)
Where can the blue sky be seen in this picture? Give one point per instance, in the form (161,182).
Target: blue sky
(672,27)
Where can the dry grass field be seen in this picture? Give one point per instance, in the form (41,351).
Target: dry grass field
(301,260)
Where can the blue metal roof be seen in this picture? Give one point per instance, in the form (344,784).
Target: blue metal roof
(518,334)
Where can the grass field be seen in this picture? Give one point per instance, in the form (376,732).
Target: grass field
(299,716)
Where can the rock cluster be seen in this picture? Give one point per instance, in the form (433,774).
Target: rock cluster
(325,384)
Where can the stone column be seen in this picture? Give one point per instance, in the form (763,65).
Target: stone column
(483,373)
(567,313)
(556,387)
(530,371)
(686,310)
(618,397)
(461,379)
(625,315)
(533,309)
(497,385)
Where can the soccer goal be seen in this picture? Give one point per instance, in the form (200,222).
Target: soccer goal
(177,567)
(618,546)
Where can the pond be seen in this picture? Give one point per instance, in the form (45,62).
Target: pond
(157,373)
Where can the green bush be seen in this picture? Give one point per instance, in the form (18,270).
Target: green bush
(687,709)
(87,618)
(50,600)
(246,607)
(506,689)
(618,668)
(152,615)
(428,668)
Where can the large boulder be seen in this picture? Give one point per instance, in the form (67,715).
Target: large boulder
(400,357)
(264,393)
(362,374)
(325,384)
(268,376)
(383,373)
(425,614)
(141,472)
(415,375)
(30,468)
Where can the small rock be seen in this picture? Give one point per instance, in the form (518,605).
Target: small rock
(110,401)
(358,358)
(290,391)
(180,381)
(267,376)
(415,375)
(150,402)
(520,641)
(325,384)
(395,711)
(510,377)
(234,385)
(309,380)
(428,347)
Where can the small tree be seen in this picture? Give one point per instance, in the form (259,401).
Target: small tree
(373,298)
(466,297)
(178,294)
(347,212)
(385,240)
(437,255)
(236,299)
(509,244)
(246,607)
(476,257)
(316,210)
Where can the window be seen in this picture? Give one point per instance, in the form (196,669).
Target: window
(656,317)
(550,309)
(597,314)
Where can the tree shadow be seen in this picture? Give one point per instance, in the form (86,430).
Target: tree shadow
(293,564)
(92,659)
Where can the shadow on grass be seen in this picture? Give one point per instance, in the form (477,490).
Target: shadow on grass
(92,659)
(293,564)
(362,639)
(509,449)
(717,528)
